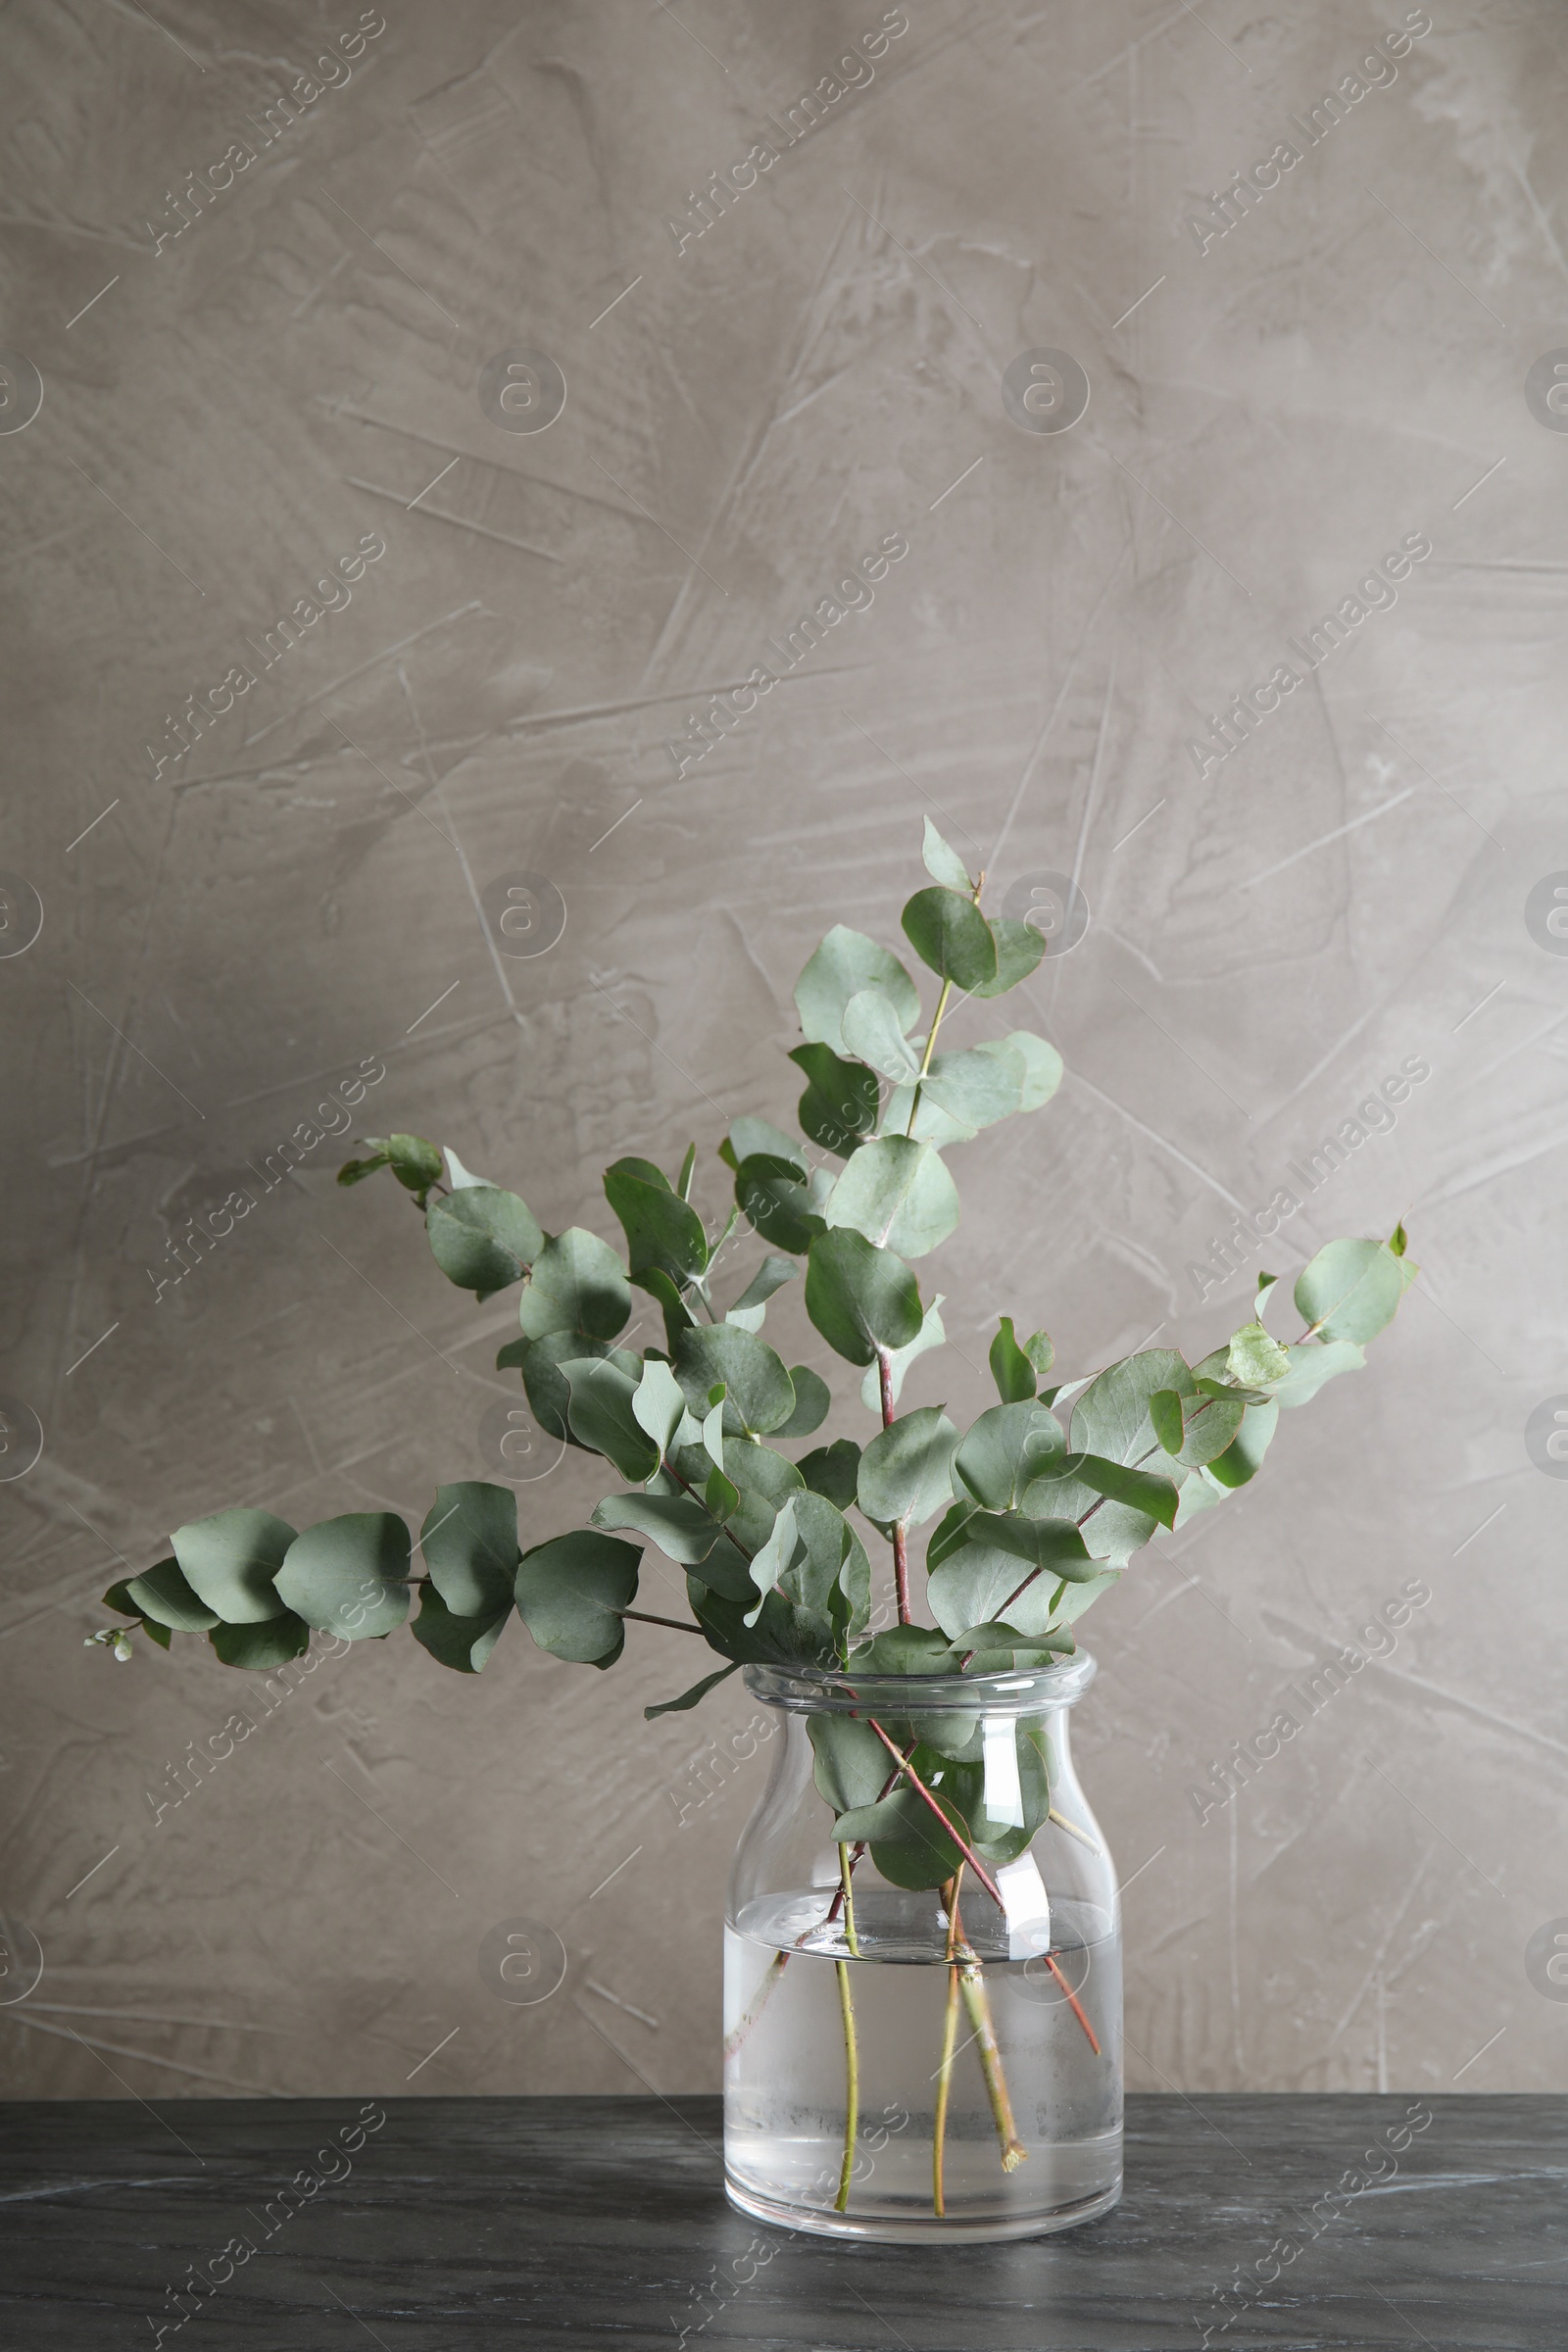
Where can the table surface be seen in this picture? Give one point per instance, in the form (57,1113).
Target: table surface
(456,2223)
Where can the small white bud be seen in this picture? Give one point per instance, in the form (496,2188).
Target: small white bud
(122,1647)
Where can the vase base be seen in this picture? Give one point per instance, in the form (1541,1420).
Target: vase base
(914,2230)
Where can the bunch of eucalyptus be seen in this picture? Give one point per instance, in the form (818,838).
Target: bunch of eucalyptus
(1038,1505)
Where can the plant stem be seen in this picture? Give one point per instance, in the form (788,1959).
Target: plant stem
(1073,2004)
(844,1867)
(936,1023)
(922,1790)
(852,2098)
(770,1977)
(971,1984)
(950,2031)
(900,1533)
(677,1625)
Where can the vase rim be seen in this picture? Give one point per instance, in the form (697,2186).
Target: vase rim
(840,1691)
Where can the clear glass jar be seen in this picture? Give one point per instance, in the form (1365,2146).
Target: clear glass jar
(908,2063)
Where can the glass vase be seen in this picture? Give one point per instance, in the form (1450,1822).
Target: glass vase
(910,2063)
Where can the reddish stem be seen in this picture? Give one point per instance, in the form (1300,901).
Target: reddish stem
(901,1534)
(1073,2004)
(922,1790)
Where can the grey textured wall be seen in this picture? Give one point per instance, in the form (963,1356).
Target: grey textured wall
(230,932)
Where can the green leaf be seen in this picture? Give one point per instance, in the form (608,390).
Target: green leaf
(1014,1375)
(949,932)
(931,1334)
(770,1276)
(904,1649)
(1143,1491)
(569,1592)
(688,1169)
(722,1494)
(849,1764)
(482,1239)
(844,963)
(840,1105)
(462,1643)
(1044,1543)
(662,1230)
(1042,1354)
(1241,1457)
(578,1284)
(678,1524)
(119,1597)
(1039,1064)
(1019,947)
(1111,1416)
(772,1558)
(1003,1649)
(1165,1419)
(750,1137)
(1254,1359)
(1399,1240)
(829,1572)
(907,1471)
(860,1298)
(1010,1445)
(782,1636)
(1265,1283)
(984,1582)
(977,1086)
(758,1393)
(773,1196)
(872,1032)
(898,1194)
(414,1162)
(833,1472)
(924,1121)
(908,1845)
(677,1315)
(230,1562)
(813,1401)
(951,1532)
(470,1542)
(1350,1289)
(162,1594)
(603,1417)
(459,1177)
(658,1405)
(260,1645)
(349,1576)
(1314,1363)
(689,1699)
(942,863)
(355,1171)
(544,1381)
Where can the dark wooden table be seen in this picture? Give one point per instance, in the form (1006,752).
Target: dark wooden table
(455,2222)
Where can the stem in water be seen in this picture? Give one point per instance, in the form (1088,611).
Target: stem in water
(846,1864)
(971,1985)
(949,2033)
(852,2098)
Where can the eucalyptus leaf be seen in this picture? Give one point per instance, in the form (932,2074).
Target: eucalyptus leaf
(1254,1359)
(483,1239)
(1014,1375)
(840,1105)
(908,1845)
(230,1562)
(577,1284)
(464,1643)
(545,1382)
(1008,1448)
(457,1176)
(758,1393)
(849,1762)
(683,1529)
(659,1403)
(1019,947)
(1039,1065)
(750,1137)
(1145,1491)
(571,1590)
(904,1649)
(833,1471)
(470,1542)
(258,1646)
(942,863)
(1111,1419)
(905,1474)
(860,1298)
(770,1276)
(844,963)
(949,932)
(977,1086)
(1243,1456)
(873,1034)
(349,1576)
(897,1193)
(1166,1420)
(162,1594)
(770,1562)
(663,1231)
(677,1315)
(603,1417)
(775,1195)
(813,1401)
(1349,1291)
(1002,1649)
(689,1699)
